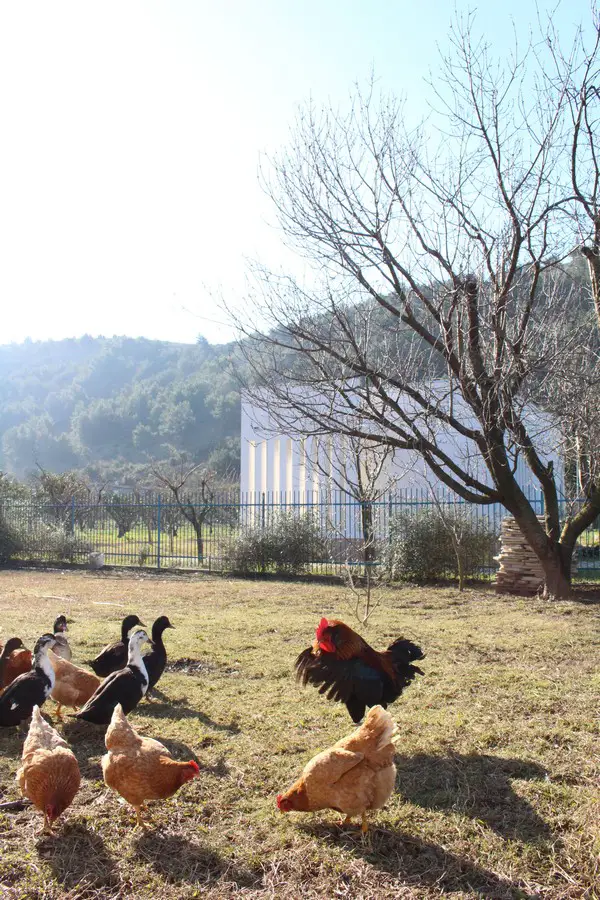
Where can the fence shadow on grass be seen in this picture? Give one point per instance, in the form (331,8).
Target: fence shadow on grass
(477,786)
(179,859)
(80,860)
(418,863)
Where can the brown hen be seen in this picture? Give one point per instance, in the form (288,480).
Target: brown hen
(15,660)
(139,768)
(73,685)
(50,774)
(354,776)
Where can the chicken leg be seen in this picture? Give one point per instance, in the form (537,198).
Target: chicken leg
(138,811)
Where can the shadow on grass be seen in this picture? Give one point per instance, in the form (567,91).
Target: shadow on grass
(178,859)
(419,863)
(11,740)
(589,595)
(85,740)
(176,710)
(155,694)
(478,786)
(79,860)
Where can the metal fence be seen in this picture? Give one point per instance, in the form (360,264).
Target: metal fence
(319,533)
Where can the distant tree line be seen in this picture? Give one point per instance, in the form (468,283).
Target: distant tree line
(108,405)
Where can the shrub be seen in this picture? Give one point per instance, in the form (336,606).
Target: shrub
(10,541)
(58,545)
(421,546)
(288,546)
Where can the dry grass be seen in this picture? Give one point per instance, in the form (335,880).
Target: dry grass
(498,773)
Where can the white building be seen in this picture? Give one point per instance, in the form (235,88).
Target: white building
(301,469)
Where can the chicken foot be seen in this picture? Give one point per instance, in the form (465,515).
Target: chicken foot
(142,822)
(344,822)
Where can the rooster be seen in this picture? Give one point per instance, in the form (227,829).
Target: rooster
(140,768)
(50,774)
(346,668)
(355,775)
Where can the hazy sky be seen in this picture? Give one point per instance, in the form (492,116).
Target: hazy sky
(131,135)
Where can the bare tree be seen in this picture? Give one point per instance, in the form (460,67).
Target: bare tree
(190,488)
(359,470)
(64,491)
(432,308)
(576,393)
(124,511)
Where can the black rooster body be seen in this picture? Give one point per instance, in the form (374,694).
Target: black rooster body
(345,668)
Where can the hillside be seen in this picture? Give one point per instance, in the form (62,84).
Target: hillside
(113,402)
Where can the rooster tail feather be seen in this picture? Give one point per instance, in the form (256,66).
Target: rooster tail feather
(403,653)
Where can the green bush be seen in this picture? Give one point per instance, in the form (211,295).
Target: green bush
(10,542)
(58,545)
(288,546)
(421,545)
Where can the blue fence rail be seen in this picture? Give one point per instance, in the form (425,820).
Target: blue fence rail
(321,532)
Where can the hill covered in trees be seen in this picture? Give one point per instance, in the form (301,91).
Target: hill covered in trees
(107,404)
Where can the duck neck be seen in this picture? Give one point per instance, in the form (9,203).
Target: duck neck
(157,637)
(42,662)
(135,658)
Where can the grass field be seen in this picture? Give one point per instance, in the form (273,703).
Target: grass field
(498,790)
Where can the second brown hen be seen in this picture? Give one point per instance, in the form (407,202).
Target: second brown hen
(140,768)
(354,776)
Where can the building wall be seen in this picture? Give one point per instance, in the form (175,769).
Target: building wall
(279,465)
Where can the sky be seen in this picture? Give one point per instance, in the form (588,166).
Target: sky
(132,134)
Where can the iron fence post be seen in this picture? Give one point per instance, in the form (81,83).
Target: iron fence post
(158,530)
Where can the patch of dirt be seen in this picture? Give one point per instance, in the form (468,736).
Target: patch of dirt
(188,666)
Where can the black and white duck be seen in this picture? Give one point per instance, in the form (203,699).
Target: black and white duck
(156,660)
(127,687)
(114,656)
(30,689)
(61,645)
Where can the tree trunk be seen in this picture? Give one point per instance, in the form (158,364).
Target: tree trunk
(557,585)
(199,541)
(368,532)
(554,557)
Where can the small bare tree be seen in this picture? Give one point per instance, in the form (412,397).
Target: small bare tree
(190,487)
(360,472)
